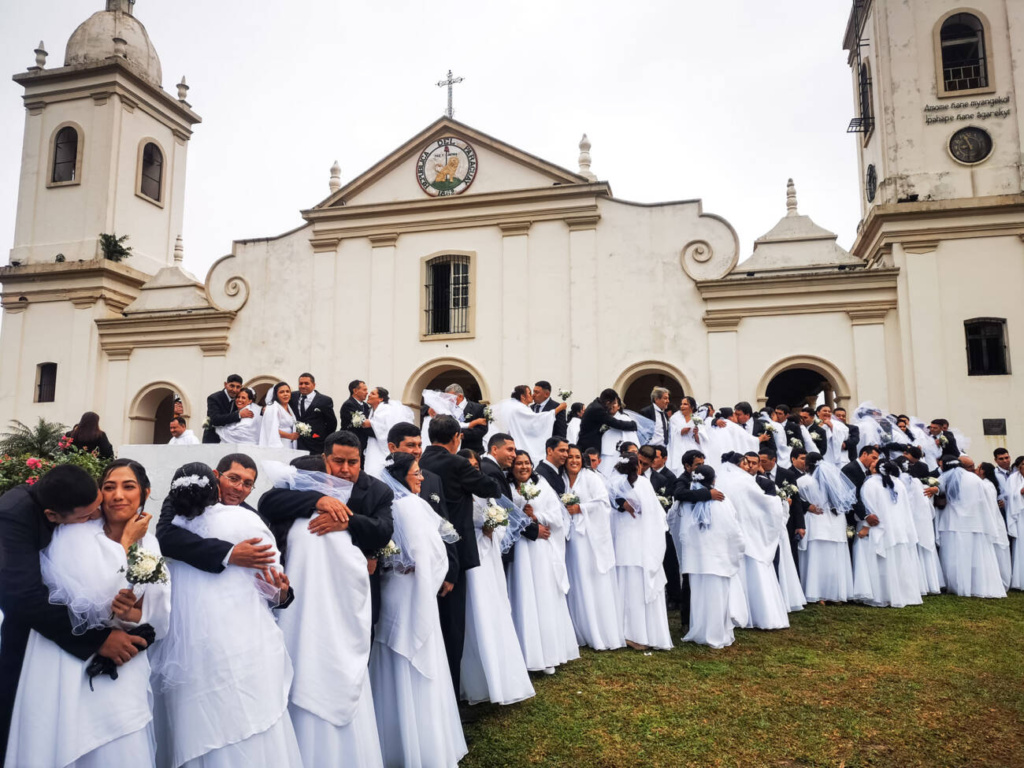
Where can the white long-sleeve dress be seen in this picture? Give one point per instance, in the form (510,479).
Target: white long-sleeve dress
(931,579)
(826,571)
(243,431)
(594,601)
(1015,526)
(886,569)
(417,714)
(537,585)
(383,418)
(277,418)
(59,719)
(493,668)
(223,670)
(639,554)
(968,537)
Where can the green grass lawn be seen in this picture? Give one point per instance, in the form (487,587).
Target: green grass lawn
(935,685)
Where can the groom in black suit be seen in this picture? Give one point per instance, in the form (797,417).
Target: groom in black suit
(221,410)
(314,409)
(599,414)
(542,402)
(556,451)
(356,403)
(857,472)
(29,514)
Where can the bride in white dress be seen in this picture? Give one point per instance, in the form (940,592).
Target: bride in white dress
(417,714)
(245,431)
(385,415)
(538,580)
(278,428)
(826,571)
(594,601)
(61,716)
(223,669)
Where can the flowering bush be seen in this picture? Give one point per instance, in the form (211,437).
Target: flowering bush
(18,470)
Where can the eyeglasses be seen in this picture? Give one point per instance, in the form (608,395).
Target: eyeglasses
(236,481)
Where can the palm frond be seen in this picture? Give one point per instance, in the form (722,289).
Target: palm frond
(39,441)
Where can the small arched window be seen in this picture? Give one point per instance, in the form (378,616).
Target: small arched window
(964,61)
(447,290)
(65,156)
(152,176)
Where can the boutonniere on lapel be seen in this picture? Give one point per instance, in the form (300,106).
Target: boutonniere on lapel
(435,499)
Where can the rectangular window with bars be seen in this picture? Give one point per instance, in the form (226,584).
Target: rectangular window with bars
(46,382)
(447,295)
(986,347)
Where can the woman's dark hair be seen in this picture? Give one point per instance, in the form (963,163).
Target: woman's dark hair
(191,499)
(518,392)
(309,463)
(732,457)
(574,411)
(813,459)
(511,470)
(574,447)
(608,396)
(724,412)
(399,465)
(988,471)
(710,408)
(624,446)
(469,453)
(87,431)
(1018,461)
(627,466)
(249,392)
(277,389)
(888,471)
(692,402)
(64,488)
(383,394)
(137,469)
(704,474)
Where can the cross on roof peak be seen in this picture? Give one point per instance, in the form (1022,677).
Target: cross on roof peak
(449,81)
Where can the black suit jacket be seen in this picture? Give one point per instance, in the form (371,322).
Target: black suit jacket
(25,599)
(653,414)
(348,408)
(798,509)
(432,492)
(473,437)
(496,473)
(661,484)
(852,441)
(683,493)
(554,478)
(321,419)
(820,438)
(221,411)
(594,417)
(855,472)
(461,483)
(669,476)
(561,428)
(203,554)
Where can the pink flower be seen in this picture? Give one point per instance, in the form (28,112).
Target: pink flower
(33,463)
(32,480)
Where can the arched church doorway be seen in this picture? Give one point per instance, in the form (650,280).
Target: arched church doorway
(438,374)
(636,383)
(261,385)
(151,411)
(803,381)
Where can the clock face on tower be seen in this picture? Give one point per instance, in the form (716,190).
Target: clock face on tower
(970,145)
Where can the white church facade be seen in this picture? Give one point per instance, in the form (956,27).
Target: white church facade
(461,258)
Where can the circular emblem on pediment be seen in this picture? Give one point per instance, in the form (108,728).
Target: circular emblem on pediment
(446,167)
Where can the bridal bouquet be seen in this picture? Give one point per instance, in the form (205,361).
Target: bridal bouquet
(390,550)
(569,499)
(357,420)
(931,482)
(697,421)
(145,567)
(769,429)
(665,502)
(942,441)
(489,414)
(565,394)
(787,491)
(529,490)
(303,429)
(495,517)
(796,442)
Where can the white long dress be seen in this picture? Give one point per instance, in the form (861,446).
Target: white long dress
(837,434)
(716,441)
(763,522)
(244,431)
(678,443)
(710,545)
(594,601)
(58,720)
(639,555)
(886,570)
(826,572)
(1001,541)
(223,669)
(417,714)
(530,430)
(610,440)
(383,418)
(1015,526)
(277,418)
(572,430)
(327,633)
(968,537)
(537,584)
(493,668)
(924,523)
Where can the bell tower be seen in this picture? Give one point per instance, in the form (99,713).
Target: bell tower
(104,148)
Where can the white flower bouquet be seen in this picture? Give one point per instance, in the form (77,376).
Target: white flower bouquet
(489,414)
(435,499)
(786,491)
(665,502)
(207,423)
(796,442)
(697,421)
(931,482)
(303,429)
(529,490)
(565,394)
(495,517)
(569,499)
(769,429)
(942,441)
(357,420)
(145,567)
(390,550)
(604,428)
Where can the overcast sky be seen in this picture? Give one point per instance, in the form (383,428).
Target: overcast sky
(681,99)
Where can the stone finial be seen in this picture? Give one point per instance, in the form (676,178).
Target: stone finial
(179,251)
(120,47)
(335,177)
(124,6)
(182,89)
(791,199)
(41,55)
(585,159)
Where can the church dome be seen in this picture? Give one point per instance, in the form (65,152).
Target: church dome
(93,42)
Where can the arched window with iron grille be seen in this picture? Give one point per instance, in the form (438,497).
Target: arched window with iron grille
(152,175)
(964,65)
(447,295)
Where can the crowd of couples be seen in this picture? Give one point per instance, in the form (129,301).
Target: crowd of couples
(345,617)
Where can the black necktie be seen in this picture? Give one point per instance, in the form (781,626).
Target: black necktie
(536,408)
(664,425)
(302,406)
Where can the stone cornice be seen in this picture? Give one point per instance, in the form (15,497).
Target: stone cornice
(207,329)
(81,282)
(920,227)
(513,228)
(384,240)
